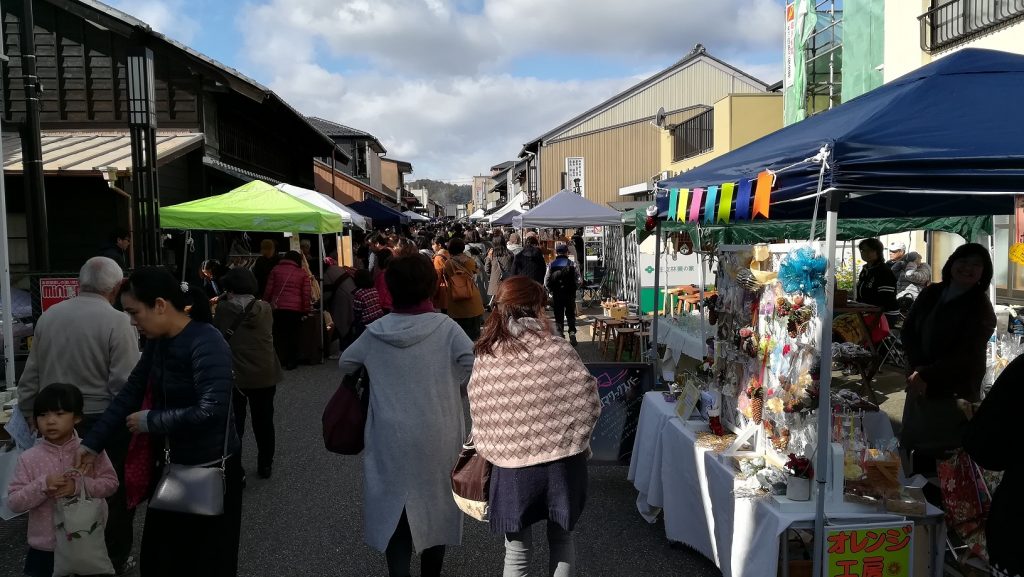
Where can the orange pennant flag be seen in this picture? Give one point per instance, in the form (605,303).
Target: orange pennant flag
(763,193)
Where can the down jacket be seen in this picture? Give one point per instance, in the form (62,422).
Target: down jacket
(191,378)
(289,288)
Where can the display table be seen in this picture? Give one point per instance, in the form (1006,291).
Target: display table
(683,336)
(695,490)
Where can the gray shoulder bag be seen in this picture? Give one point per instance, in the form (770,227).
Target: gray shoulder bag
(192,489)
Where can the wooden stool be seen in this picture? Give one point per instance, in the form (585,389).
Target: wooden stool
(624,336)
(608,335)
(598,327)
(641,342)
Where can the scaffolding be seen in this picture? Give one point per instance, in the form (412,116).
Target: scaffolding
(824,58)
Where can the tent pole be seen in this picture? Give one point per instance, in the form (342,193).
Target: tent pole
(5,290)
(824,449)
(701,279)
(323,345)
(657,288)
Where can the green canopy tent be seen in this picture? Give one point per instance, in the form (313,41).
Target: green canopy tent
(257,207)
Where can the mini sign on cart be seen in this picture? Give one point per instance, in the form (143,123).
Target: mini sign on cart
(687,401)
(876,550)
(55,290)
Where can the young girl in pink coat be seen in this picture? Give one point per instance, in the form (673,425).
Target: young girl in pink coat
(43,473)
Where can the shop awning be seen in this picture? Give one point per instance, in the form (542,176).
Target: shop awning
(380,214)
(942,140)
(257,207)
(74,152)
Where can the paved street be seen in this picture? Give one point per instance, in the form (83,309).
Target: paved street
(307,520)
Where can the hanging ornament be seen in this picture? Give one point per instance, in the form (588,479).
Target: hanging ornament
(803,271)
(652,218)
(1017,253)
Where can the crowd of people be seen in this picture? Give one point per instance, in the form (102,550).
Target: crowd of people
(140,377)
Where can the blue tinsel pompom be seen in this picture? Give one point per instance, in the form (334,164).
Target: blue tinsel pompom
(803,271)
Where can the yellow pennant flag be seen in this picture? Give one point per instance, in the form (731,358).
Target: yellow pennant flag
(684,202)
(725,202)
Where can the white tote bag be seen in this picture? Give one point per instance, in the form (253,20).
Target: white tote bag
(80,548)
(8,461)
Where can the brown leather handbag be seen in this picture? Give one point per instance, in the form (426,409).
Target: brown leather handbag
(471,482)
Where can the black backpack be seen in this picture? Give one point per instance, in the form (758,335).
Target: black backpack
(562,280)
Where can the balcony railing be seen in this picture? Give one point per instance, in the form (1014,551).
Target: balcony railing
(959,21)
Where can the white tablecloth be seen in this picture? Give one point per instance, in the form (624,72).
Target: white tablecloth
(694,488)
(645,464)
(683,338)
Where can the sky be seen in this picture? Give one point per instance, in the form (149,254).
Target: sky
(457,86)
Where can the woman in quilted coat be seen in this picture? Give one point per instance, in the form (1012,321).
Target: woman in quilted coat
(534,406)
(289,292)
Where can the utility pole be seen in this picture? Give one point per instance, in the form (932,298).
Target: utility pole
(32,149)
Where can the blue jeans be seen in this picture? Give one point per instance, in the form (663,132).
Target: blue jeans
(518,547)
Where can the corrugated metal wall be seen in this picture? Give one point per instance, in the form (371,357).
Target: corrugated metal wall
(702,82)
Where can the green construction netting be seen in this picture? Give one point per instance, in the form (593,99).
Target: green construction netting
(256,207)
(969,227)
(863,46)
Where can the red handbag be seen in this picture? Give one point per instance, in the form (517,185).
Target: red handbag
(344,419)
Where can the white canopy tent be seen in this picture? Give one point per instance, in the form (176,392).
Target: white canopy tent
(348,216)
(568,210)
(478,214)
(415,216)
(515,204)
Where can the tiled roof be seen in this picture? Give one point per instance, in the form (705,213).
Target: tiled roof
(334,129)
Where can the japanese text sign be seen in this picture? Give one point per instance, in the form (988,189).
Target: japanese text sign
(55,290)
(870,550)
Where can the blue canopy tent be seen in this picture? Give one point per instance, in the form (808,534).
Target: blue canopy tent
(382,215)
(950,128)
(943,140)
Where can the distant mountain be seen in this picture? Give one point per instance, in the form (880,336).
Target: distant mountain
(444,193)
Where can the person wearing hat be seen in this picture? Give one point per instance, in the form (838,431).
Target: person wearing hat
(897,257)
(562,280)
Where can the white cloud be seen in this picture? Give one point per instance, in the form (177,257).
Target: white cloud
(169,17)
(438,92)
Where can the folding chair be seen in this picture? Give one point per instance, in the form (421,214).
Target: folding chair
(891,347)
(590,293)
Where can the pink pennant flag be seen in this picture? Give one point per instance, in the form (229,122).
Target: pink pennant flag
(695,203)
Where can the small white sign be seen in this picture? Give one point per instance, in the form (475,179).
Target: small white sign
(574,170)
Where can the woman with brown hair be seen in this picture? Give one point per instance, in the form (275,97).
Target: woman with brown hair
(534,405)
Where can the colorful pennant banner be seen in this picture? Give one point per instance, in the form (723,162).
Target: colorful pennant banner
(684,202)
(698,198)
(763,193)
(709,205)
(743,200)
(725,203)
(673,197)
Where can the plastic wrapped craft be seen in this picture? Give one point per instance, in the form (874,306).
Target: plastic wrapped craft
(803,271)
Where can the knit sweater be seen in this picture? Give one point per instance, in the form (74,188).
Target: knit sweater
(534,407)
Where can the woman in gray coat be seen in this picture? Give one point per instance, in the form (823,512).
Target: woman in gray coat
(498,266)
(256,367)
(418,363)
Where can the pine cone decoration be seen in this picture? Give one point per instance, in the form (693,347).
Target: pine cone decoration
(756,409)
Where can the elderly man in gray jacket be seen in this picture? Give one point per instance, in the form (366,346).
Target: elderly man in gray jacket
(88,343)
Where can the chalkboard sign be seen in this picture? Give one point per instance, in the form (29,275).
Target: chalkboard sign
(621,387)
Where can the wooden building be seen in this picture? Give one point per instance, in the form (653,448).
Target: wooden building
(216,128)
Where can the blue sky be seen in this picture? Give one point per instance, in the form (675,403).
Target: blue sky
(455,86)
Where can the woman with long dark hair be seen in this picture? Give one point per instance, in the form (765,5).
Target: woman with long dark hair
(534,405)
(945,337)
(178,398)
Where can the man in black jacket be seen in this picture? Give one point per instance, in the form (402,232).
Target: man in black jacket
(530,262)
(563,279)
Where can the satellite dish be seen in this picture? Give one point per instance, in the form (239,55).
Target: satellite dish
(659,118)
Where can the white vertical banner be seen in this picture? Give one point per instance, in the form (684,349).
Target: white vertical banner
(790,46)
(574,170)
